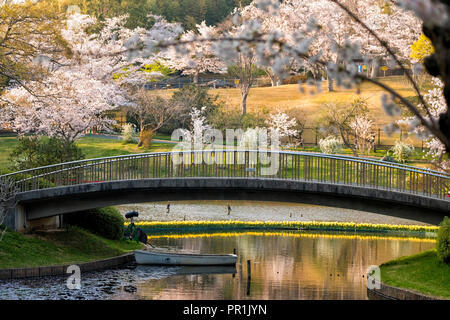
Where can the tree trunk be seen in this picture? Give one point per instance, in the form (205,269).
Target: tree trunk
(330,82)
(244,103)
(347,143)
(374,71)
(272,77)
(196,78)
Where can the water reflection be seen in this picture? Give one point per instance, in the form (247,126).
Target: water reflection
(284,265)
(289,266)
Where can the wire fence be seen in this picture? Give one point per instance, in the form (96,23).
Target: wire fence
(214,83)
(382,141)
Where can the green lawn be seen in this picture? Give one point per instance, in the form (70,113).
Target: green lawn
(92,148)
(99,147)
(57,248)
(6,146)
(422,272)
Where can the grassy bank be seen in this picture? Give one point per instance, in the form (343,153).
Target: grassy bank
(422,272)
(189,226)
(72,246)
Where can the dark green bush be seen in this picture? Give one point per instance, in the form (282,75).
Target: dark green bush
(33,152)
(106,222)
(443,241)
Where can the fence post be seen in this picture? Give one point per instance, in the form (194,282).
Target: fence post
(379,134)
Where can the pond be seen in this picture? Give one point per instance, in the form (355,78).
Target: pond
(284,265)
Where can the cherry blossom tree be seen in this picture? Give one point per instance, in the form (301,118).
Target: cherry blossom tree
(198,135)
(436,100)
(104,54)
(198,57)
(283,22)
(280,124)
(400,28)
(68,104)
(272,47)
(75,96)
(363,130)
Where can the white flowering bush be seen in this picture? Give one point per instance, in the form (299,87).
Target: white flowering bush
(282,126)
(363,129)
(402,151)
(254,138)
(330,144)
(128,132)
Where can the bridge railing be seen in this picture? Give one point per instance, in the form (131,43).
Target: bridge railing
(239,163)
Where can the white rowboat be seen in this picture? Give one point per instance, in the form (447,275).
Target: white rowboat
(186,259)
(186,270)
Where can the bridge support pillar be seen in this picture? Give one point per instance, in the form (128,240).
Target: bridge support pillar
(10,219)
(16,219)
(20,218)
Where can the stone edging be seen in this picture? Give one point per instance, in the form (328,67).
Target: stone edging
(395,293)
(17,273)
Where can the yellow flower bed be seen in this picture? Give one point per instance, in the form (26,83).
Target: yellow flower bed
(289,234)
(311,225)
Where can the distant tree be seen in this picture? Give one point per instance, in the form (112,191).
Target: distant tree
(199,57)
(282,125)
(191,97)
(151,112)
(38,151)
(363,131)
(337,119)
(246,71)
(29,33)
(300,123)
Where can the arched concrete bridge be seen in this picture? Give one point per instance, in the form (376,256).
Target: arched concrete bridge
(341,181)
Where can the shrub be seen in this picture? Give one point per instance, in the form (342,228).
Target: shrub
(402,151)
(106,222)
(443,241)
(298,78)
(128,132)
(330,144)
(33,152)
(145,138)
(388,157)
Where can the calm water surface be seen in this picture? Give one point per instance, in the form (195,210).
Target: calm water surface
(284,265)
